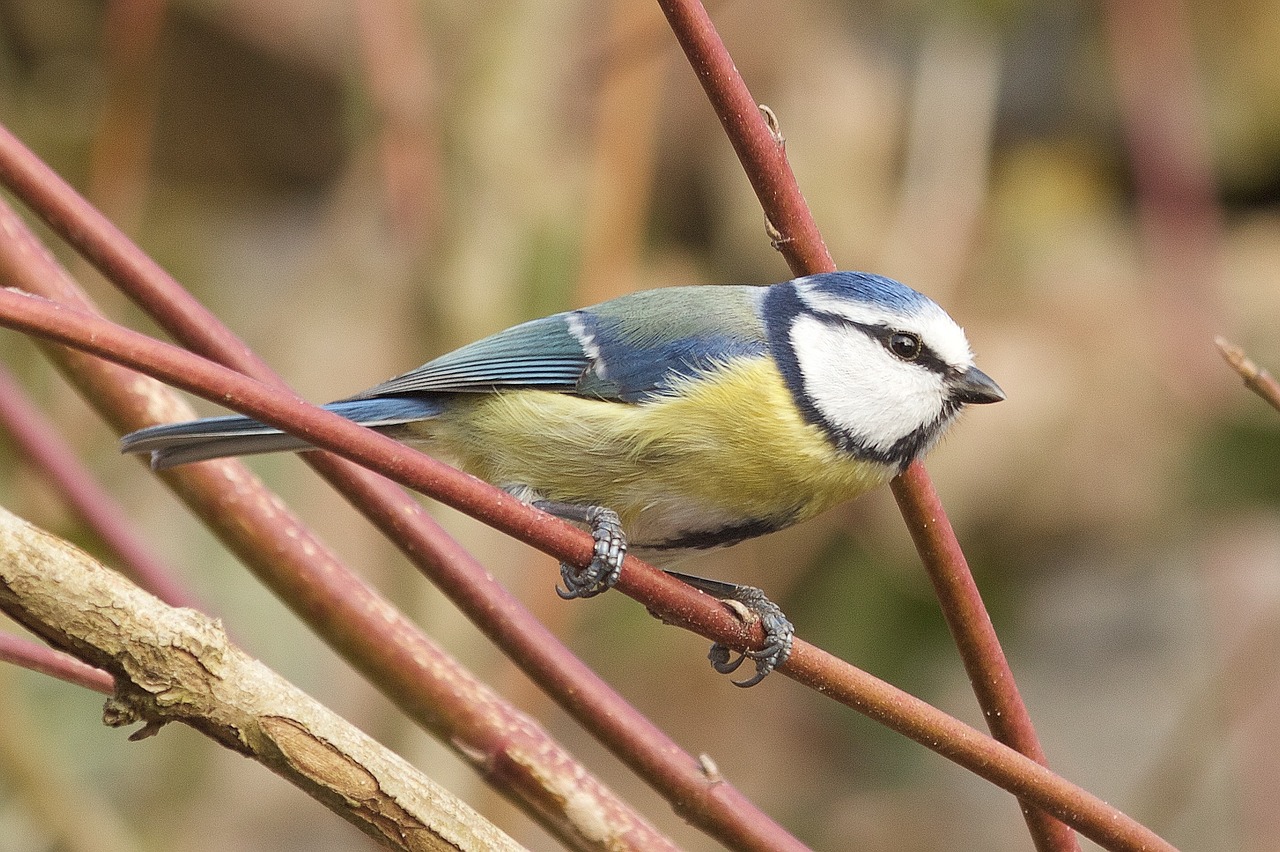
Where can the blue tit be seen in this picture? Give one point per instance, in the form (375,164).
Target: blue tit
(672,420)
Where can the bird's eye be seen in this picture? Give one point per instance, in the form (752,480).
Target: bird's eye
(905,346)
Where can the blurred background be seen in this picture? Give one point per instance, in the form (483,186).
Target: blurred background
(1092,190)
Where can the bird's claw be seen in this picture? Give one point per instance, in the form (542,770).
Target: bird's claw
(600,574)
(606,559)
(779,632)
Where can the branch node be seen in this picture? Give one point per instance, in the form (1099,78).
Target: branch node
(775,128)
(776,238)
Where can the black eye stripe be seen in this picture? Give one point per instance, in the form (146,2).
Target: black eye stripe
(927,358)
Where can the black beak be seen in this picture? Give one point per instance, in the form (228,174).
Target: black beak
(975,388)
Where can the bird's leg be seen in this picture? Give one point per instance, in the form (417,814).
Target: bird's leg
(606,560)
(778,629)
(606,565)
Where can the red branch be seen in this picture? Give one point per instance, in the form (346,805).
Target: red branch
(975,636)
(514,754)
(43,659)
(760,148)
(718,808)
(904,713)
(38,440)
(764,159)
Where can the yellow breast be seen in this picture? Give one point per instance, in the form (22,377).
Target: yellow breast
(723,449)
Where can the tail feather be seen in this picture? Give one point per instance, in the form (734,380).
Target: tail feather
(172,444)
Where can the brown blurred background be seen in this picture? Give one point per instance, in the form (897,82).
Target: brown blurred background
(1092,190)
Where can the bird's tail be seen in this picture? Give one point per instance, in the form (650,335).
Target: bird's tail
(172,444)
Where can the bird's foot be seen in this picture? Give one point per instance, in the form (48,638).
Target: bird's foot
(606,560)
(749,602)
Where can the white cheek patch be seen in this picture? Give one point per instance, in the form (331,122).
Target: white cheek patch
(859,388)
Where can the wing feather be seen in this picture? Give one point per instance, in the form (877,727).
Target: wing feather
(628,350)
(543,353)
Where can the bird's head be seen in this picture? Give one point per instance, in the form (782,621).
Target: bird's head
(879,367)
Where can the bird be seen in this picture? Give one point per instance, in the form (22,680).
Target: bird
(674,420)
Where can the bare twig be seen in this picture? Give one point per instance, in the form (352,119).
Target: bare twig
(1028,780)
(39,441)
(509,749)
(720,809)
(761,151)
(682,605)
(40,658)
(1255,378)
(177,665)
(764,160)
(984,659)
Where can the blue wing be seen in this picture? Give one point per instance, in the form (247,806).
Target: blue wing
(628,349)
(542,353)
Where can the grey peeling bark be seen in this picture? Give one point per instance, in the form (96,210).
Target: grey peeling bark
(177,665)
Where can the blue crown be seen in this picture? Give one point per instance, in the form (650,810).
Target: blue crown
(866,287)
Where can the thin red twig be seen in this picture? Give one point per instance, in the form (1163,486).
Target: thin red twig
(719,809)
(46,660)
(761,150)
(512,752)
(909,715)
(37,439)
(984,659)
(986,757)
